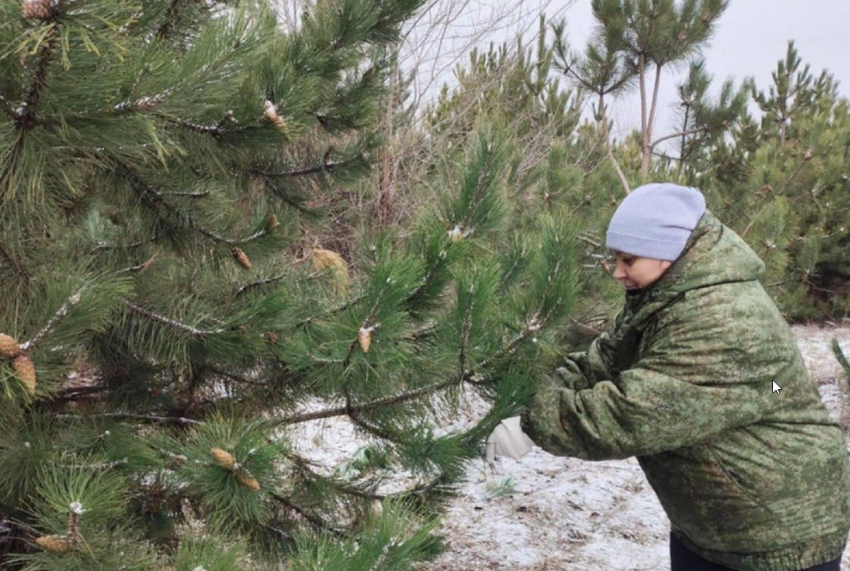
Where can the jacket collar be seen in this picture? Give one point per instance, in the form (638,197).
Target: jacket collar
(714,254)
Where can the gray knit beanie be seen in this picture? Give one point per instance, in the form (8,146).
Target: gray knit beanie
(655,221)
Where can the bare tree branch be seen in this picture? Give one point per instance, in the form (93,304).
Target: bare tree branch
(316,521)
(51,324)
(605,132)
(174,324)
(324,167)
(146,417)
(674,135)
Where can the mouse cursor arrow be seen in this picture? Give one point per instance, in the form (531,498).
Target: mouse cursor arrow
(776,388)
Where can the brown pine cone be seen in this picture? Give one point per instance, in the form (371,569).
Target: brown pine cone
(9,346)
(41,9)
(223,458)
(241,257)
(55,543)
(247,480)
(25,369)
(364,337)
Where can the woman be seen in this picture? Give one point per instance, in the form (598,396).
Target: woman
(751,478)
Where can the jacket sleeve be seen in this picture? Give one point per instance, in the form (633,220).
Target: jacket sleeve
(686,389)
(584,369)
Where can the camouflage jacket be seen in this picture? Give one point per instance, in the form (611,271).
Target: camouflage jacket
(749,478)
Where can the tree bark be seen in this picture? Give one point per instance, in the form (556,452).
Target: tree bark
(646,155)
(605,132)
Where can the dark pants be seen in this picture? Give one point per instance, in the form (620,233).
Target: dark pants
(683,559)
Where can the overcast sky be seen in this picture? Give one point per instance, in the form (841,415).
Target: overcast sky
(752,35)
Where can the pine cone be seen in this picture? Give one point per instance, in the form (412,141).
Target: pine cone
(41,9)
(247,480)
(147,265)
(271,223)
(55,543)
(8,346)
(364,337)
(330,260)
(241,257)
(25,370)
(223,458)
(270,111)
(324,259)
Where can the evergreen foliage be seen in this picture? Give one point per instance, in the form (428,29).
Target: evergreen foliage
(169,328)
(782,185)
(559,166)
(634,44)
(779,181)
(170,322)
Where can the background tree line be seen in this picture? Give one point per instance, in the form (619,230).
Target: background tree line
(220,225)
(778,176)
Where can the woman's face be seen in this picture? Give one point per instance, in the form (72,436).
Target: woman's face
(635,272)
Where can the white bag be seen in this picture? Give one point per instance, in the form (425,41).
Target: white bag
(509,440)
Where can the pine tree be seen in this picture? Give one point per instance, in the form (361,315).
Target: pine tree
(165,334)
(703,122)
(793,92)
(781,184)
(636,42)
(511,86)
(558,167)
(561,166)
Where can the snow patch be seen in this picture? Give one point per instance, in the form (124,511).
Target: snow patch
(548,513)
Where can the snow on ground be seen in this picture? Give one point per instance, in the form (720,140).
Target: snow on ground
(567,514)
(547,513)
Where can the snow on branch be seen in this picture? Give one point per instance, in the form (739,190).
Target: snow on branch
(214,130)
(148,417)
(324,167)
(53,321)
(171,322)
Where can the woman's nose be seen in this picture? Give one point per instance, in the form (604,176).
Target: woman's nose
(619,271)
